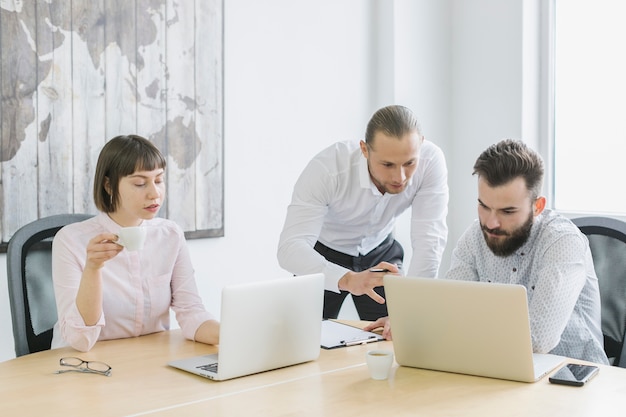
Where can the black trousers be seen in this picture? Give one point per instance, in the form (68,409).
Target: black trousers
(390,251)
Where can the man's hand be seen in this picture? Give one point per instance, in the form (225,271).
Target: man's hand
(364,282)
(381,322)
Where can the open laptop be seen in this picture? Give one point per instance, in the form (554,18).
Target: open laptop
(263,326)
(466,327)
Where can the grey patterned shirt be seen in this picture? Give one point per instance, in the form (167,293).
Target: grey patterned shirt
(556,267)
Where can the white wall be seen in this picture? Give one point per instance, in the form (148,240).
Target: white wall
(301,75)
(486,51)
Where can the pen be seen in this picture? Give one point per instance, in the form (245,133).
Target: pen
(379,270)
(359,342)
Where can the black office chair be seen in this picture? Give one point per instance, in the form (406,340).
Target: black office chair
(29,275)
(607,239)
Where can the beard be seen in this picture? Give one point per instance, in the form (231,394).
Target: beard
(513,240)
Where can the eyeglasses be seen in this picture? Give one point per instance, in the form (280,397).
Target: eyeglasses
(79,365)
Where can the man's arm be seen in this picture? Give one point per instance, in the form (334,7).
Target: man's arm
(561,277)
(303,223)
(312,194)
(296,254)
(429,231)
(463,262)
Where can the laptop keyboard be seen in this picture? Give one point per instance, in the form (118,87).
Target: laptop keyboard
(212,367)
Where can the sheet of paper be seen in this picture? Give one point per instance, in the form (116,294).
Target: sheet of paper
(335,334)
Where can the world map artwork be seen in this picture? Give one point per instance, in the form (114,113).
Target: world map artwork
(75,74)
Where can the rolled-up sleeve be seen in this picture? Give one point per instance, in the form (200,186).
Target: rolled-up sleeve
(68,258)
(186,302)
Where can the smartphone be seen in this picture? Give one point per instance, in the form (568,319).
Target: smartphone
(574,374)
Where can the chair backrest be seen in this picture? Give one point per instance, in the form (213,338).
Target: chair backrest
(607,239)
(29,275)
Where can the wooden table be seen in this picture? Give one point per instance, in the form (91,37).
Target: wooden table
(337,384)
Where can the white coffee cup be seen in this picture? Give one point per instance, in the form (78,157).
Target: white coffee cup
(132,238)
(379,363)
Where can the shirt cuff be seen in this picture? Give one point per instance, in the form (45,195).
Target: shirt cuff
(333,274)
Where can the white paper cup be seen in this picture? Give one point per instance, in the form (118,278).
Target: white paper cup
(379,363)
(132,238)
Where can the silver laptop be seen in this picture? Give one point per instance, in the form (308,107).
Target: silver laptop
(466,327)
(263,326)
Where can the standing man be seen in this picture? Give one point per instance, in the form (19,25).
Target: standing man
(516,240)
(344,205)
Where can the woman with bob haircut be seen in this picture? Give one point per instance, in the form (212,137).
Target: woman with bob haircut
(105,291)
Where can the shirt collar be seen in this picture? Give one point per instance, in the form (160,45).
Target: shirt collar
(364,176)
(534,231)
(109,224)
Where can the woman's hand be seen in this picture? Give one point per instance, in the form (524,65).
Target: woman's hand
(100,249)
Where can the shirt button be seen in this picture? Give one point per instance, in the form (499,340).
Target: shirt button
(514,269)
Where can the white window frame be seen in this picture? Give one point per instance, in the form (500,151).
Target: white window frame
(539,25)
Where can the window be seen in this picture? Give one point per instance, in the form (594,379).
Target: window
(589,56)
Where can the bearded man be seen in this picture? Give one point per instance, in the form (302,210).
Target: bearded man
(517,240)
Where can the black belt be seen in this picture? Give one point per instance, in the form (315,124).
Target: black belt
(347,261)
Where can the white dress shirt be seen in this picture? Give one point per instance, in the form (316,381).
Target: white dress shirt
(556,267)
(336,203)
(139,287)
